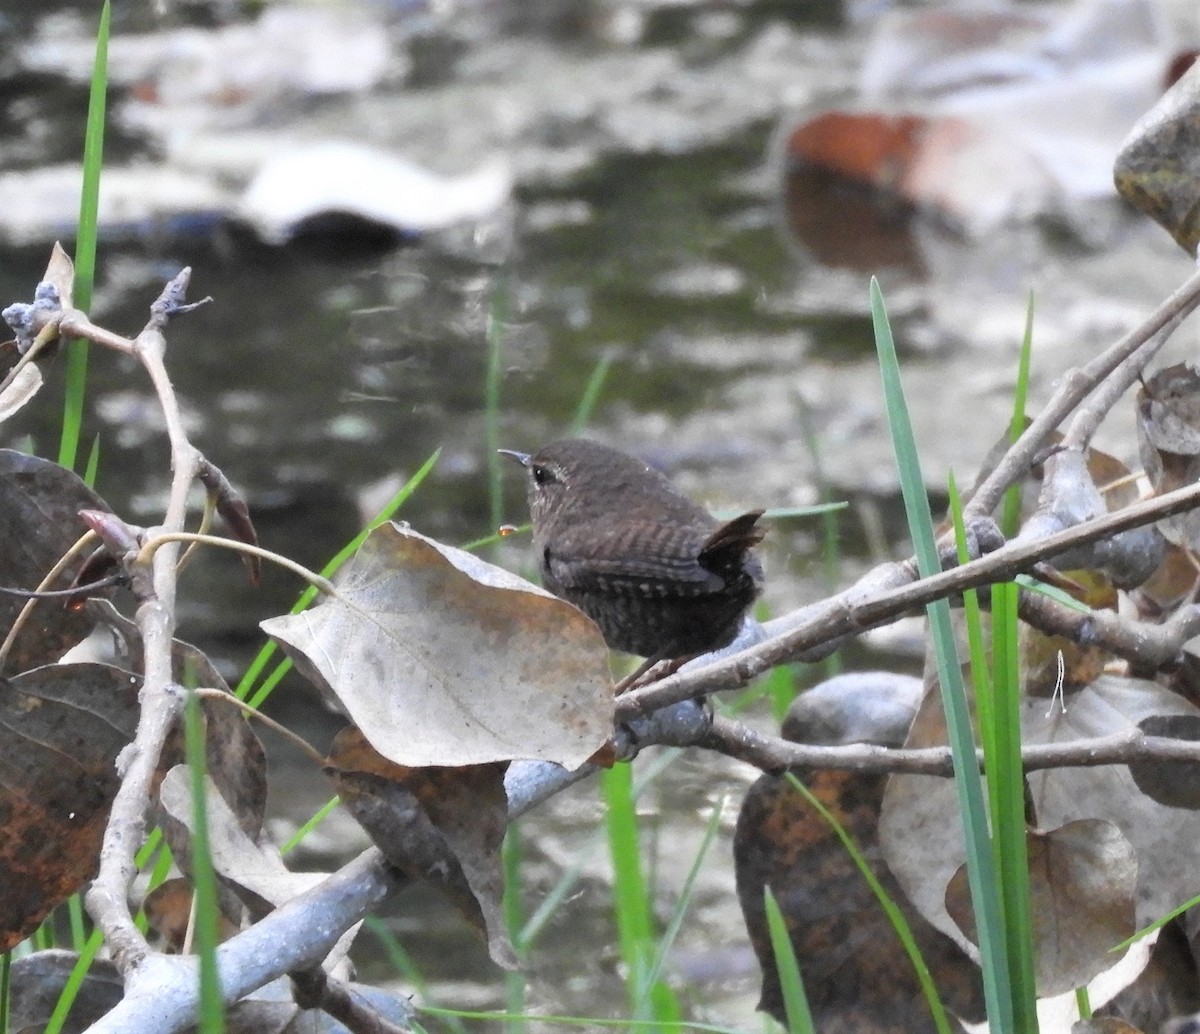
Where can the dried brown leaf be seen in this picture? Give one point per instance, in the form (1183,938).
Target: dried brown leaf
(1082,879)
(39,506)
(1168,424)
(60,271)
(857,975)
(25,384)
(922,833)
(443,659)
(61,728)
(1175,784)
(443,825)
(1158,166)
(38,981)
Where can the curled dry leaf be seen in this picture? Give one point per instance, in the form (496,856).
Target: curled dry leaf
(1082,878)
(1173,783)
(443,659)
(1071,493)
(443,825)
(18,391)
(60,271)
(249,869)
(1168,424)
(36,324)
(857,974)
(1168,870)
(922,833)
(229,503)
(61,728)
(1158,166)
(38,981)
(39,506)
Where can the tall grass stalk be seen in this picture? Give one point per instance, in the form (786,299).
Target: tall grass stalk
(70,991)
(204,880)
(981,867)
(5,989)
(683,902)
(409,972)
(591,394)
(1006,798)
(511,856)
(1010,519)
(85,242)
(631,903)
(496,324)
(791,985)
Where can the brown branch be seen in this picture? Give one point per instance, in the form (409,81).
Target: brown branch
(316,989)
(161,698)
(774,754)
(1148,647)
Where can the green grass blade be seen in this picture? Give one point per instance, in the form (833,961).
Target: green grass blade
(1006,792)
(791,986)
(408,971)
(981,872)
(1010,518)
(322,813)
(70,991)
(92,468)
(158,876)
(561,890)
(497,321)
(1083,1003)
(75,916)
(555,1021)
(888,904)
(204,880)
(1052,592)
(591,394)
(85,242)
(5,989)
(981,677)
(1158,924)
(631,903)
(683,902)
(514,982)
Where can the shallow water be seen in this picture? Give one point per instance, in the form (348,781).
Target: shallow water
(648,229)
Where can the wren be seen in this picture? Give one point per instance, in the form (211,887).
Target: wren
(659,574)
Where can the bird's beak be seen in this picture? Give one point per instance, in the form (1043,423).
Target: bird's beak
(521,457)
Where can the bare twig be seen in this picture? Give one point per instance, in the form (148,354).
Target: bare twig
(1075,386)
(157,541)
(316,989)
(87,539)
(161,698)
(774,754)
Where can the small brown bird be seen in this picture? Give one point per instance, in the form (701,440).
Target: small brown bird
(660,575)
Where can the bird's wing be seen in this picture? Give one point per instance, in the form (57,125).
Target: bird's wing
(659,562)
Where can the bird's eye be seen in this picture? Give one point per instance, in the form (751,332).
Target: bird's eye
(541,475)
